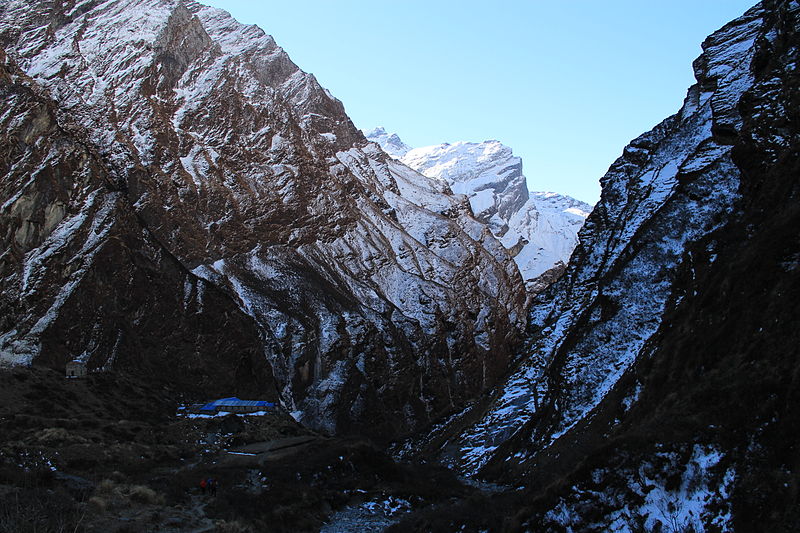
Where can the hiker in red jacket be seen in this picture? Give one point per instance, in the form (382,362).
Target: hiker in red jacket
(203,485)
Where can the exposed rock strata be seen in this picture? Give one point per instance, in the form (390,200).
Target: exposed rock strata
(374,293)
(81,278)
(671,187)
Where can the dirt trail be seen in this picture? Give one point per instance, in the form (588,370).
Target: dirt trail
(259,453)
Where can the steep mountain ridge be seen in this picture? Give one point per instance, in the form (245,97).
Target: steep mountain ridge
(661,389)
(539,229)
(542,236)
(715,396)
(671,187)
(372,289)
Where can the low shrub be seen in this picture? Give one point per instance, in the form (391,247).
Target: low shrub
(146,495)
(106,486)
(97,505)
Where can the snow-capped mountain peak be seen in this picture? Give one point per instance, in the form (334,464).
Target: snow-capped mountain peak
(540,229)
(390,142)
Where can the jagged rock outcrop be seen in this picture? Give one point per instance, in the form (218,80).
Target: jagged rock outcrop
(389,142)
(660,393)
(488,173)
(671,187)
(371,291)
(81,278)
(539,229)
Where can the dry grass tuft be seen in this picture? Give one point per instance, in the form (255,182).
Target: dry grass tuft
(58,437)
(146,495)
(106,486)
(97,505)
(124,495)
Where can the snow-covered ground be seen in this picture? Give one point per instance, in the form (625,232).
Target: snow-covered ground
(671,495)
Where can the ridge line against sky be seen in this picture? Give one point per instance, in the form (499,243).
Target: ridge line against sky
(565,85)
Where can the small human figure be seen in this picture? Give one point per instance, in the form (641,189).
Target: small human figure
(212,485)
(203,485)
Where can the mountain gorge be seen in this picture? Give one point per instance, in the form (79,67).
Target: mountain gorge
(191,215)
(659,391)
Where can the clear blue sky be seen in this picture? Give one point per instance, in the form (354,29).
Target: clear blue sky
(565,84)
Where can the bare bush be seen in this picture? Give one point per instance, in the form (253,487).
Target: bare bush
(97,505)
(146,495)
(106,486)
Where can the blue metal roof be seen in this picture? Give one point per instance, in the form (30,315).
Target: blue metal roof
(235,402)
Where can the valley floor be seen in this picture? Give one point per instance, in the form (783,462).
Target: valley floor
(108,454)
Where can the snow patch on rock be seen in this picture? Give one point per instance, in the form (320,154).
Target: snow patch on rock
(539,229)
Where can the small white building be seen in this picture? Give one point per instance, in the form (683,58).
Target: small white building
(76,369)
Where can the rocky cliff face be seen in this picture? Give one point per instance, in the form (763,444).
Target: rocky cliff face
(539,229)
(661,388)
(82,278)
(671,187)
(369,289)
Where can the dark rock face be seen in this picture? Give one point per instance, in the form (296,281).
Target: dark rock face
(717,403)
(227,182)
(671,187)
(82,278)
(661,393)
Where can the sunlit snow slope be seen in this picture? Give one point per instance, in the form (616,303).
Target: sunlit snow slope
(540,229)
